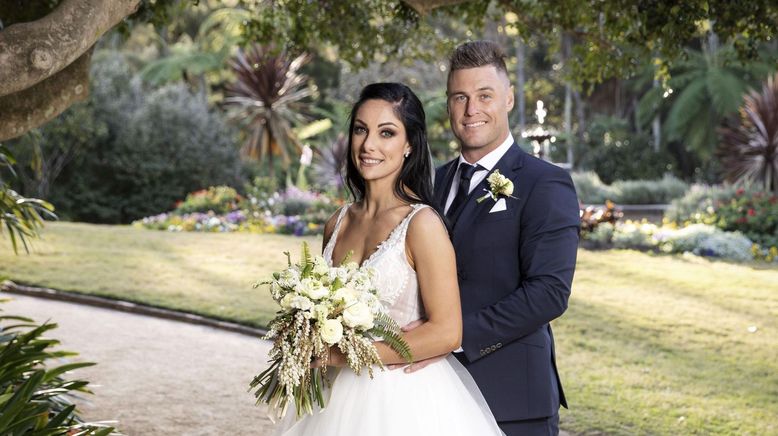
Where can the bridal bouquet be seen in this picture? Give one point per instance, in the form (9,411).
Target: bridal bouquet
(321,306)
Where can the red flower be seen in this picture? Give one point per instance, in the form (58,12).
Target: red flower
(740,191)
(751,212)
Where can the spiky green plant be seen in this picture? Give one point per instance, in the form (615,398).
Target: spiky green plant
(268,100)
(35,399)
(749,149)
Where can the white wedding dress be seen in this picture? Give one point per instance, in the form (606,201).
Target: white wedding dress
(441,399)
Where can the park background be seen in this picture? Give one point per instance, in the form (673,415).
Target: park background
(167,152)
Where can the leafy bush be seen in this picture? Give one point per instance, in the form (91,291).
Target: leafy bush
(161,144)
(35,397)
(699,239)
(753,213)
(659,191)
(615,152)
(219,199)
(592,190)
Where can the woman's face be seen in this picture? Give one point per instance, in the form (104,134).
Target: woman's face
(378,141)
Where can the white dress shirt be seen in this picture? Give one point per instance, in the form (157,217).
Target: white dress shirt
(487,162)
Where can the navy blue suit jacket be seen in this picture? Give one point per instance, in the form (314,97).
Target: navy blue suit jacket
(515,270)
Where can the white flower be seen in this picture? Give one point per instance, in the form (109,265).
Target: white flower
(498,185)
(289,278)
(313,289)
(331,331)
(306,156)
(347,295)
(296,301)
(320,266)
(321,312)
(358,315)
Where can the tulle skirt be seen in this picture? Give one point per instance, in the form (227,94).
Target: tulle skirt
(440,399)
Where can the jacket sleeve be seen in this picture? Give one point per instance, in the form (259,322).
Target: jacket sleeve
(548,245)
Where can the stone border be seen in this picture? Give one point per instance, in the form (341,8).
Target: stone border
(130,307)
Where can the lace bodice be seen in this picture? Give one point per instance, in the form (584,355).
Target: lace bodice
(395,279)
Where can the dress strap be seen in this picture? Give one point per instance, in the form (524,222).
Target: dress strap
(407,220)
(331,243)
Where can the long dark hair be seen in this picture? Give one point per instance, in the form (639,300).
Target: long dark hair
(414,184)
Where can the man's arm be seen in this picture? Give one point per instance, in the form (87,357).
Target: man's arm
(547,251)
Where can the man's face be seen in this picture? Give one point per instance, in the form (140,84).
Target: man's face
(479,100)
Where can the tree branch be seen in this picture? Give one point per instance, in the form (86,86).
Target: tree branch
(27,109)
(34,51)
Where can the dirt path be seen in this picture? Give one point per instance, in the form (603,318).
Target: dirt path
(157,377)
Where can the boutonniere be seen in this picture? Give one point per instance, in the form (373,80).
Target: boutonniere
(498,185)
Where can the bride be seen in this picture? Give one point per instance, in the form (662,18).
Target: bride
(392,228)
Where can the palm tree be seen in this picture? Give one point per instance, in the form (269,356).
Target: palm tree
(701,92)
(268,99)
(749,150)
(206,52)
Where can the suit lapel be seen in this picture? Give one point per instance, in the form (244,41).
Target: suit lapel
(508,166)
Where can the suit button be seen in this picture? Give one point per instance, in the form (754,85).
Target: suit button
(483,352)
(499,345)
(493,347)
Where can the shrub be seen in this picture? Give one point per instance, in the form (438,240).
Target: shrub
(659,191)
(592,190)
(219,199)
(614,152)
(753,213)
(161,144)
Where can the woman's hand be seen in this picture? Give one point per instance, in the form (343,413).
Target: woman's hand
(336,358)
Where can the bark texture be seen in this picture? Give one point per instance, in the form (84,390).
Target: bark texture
(34,106)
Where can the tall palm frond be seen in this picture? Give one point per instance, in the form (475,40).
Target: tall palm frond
(215,41)
(749,150)
(19,216)
(703,90)
(267,99)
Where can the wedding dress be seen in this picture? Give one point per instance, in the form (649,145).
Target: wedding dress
(440,399)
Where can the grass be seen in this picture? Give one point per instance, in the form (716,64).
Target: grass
(650,344)
(205,273)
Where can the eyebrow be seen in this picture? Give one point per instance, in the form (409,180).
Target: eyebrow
(483,88)
(388,123)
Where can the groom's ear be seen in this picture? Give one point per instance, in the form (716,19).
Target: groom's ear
(510,98)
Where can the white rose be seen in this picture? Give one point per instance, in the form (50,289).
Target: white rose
(331,331)
(358,315)
(296,301)
(313,289)
(320,266)
(347,295)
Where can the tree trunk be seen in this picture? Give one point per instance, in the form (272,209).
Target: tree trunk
(27,109)
(34,51)
(520,80)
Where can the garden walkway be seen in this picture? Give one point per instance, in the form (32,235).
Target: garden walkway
(156,376)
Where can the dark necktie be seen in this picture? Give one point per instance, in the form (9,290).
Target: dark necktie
(466,172)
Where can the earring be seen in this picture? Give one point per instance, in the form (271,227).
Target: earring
(407,153)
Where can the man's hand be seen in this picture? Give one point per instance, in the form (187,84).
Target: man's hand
(335,358)
(415,366)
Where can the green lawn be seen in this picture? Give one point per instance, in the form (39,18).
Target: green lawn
(650,344)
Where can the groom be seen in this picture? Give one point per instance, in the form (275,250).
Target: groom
(516,251)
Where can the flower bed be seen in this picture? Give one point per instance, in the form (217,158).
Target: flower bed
(700,239)
(290,212)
